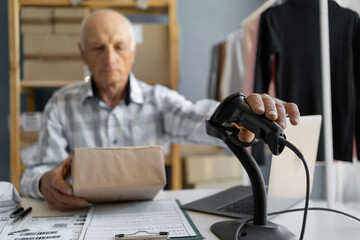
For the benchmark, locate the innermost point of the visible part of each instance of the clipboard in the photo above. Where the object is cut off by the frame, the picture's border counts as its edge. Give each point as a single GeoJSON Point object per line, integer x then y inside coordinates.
{"type": "Point", "coordinates": [198, 234]}
{"type": "Point", "coordinates": [144, 235]}
{"type": "Point", "coordinates": [132, 219]}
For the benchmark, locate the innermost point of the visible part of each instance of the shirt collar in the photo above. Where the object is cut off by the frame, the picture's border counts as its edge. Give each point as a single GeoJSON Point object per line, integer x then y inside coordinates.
{"type": "Point", "coordinates": [136, 95]}
{"type": "Point", "coordinates": [133, 90]}
{"type": "Point", "coordinates": [87, 91]}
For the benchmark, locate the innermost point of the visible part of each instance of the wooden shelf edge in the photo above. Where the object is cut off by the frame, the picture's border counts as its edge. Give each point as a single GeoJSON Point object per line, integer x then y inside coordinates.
{"type": "Point", "coordinates": [165, 83]}
{"type": "Point", "coordinates": [46, 83]}
{"type": "Point", "coordinates": [152, 3]}
{"type": "Point", "coordinates": [61, 83]}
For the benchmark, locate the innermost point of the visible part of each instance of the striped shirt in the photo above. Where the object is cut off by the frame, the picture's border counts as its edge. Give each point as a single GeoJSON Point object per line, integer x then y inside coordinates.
{"type": "Point", "coordinates": [149, 115]}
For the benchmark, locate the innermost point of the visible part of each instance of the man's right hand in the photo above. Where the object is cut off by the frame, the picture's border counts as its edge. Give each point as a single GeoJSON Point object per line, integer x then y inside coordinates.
{"type": "Point", "coordinates": [57, 192]}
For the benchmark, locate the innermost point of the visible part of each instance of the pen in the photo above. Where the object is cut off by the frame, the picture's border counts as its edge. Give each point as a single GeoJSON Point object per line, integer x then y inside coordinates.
{"type": "Point", "coordinates": [16, 212]}
{"type": "Point", "coordinates": [22, 214]}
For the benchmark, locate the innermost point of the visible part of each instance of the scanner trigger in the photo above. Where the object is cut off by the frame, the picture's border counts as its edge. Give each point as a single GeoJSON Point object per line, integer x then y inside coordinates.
{"type": "Point", "coordinates": [238, 127]}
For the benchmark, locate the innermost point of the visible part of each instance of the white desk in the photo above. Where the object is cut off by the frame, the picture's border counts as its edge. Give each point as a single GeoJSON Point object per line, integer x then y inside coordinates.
{"type": "Point", "coordinates": [320, 224]}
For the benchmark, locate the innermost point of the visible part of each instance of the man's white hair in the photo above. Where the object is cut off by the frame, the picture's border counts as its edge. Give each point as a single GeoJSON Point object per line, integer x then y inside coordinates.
{"type": "Point", "coordinates": [84, 21]}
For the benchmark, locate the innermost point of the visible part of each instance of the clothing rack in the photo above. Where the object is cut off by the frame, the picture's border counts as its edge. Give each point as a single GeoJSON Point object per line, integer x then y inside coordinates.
{"type": "Point", "coordinates": [326, 91]}
{"type": "Point", "coordinates": [258, 11]}
{"type": "Point", "coordinates": [326, 95]}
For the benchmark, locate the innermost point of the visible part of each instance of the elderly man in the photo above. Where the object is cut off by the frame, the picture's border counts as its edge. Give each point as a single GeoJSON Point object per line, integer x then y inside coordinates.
{"type": "Point", "coordinates": [113, 108]}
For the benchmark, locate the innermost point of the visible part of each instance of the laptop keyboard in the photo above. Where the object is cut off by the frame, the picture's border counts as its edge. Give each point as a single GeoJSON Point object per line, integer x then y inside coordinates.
{"type": "Point", "coordinates": [242, 206]}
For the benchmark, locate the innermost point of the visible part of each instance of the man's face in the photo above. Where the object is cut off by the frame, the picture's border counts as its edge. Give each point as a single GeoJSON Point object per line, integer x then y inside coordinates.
{"type": "Point", "coordinates": [107, 52]}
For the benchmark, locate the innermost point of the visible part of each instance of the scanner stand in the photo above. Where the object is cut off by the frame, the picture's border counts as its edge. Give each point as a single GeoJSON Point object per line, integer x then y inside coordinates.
{"type": "Point", "coordinates": [259, 228]}
{"type": "Point", "coordinates": [227, 230]}
{"type": "Point", "coordinates": [231, 116]}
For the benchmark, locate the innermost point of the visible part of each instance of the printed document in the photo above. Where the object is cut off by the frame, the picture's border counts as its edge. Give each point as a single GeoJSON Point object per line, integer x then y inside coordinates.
{"type": "Point", "coordinates": [49, 227]}
{"type": "Point", "coordinates": [4, 227]}
{"type": "Point", "coordinates": [104, 221]}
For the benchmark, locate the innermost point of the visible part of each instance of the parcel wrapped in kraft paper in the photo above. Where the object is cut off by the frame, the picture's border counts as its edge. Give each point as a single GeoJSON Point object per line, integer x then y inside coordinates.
{"type": "Point", "coordinates": [118, 174]}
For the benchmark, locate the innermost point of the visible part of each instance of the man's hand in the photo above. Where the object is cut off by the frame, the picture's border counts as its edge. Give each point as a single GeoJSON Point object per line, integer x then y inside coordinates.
{"type": "Point", "coordinates": [57, 192]}
{"type": "Point", "coordinates": [274, 109]}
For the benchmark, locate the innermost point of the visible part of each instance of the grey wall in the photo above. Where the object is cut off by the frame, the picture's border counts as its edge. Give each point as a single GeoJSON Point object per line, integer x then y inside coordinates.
{"type": "Point", "coordinates": [203, 23]}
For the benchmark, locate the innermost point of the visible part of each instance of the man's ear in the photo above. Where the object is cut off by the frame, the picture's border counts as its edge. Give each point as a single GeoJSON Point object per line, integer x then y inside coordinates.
{"type": "Point", "coordinates": [133, 54]}
{"type": "Point", "coordinates": [82, 52]}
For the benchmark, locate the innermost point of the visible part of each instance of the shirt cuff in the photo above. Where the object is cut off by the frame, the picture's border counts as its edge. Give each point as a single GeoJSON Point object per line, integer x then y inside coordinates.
{"type": "Point", "coordinates": [36, 187]}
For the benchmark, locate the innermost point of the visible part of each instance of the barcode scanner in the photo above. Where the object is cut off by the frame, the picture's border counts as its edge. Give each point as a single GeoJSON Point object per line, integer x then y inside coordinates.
{"type": "Point", "coordinates": [231, 116]}
{"type": "Point", "coordinates": [234, 114]}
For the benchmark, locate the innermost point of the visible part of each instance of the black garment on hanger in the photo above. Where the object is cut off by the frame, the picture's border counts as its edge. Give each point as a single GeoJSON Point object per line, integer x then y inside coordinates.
{"type": "Point", "coordinates": [215, 72]}
{"type": "Point", "coordinates": [291, 32]}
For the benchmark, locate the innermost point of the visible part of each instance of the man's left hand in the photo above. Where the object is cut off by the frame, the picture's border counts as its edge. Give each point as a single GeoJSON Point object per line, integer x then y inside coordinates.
{"type": "Point", "coordinates": [274, 109]}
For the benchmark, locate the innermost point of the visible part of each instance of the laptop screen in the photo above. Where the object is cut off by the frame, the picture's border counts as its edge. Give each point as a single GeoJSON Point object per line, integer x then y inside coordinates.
{"type": "Point", "coordinates": [287, 182]}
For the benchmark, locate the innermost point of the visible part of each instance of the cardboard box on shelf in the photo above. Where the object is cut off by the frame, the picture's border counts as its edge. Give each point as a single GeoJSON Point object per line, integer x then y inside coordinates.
{"type": "Point", "coordinates": [34, 28]}
{"type": "Point", "coordinates": [152, 55]}
{"type": "Point", "coordinates": [51, 44]}
{"type": "Point", "coordinates": [68, 20]}
{"type": "Point", "coordinates": [77, 13]}
{"type": "Point", "coordinates": [67, 28]}
{"type": "Point", "coordinates": [54, 70]}
{"type": "Point", "coordinates": [210, 167]}
{"type": "Point", "coordinates": [200, 149]}
{"type": "Point", "coordinates": [36, 20]}
{"type": "Point", "coordinates": [36, 13]}
{"type": "Point", "coordinates": [212, 170]}
{"type": "Point", "coordinates": [28, 138]}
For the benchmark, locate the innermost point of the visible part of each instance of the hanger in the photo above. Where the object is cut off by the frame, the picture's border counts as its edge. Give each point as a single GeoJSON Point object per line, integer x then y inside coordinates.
{"type": "Point", "coordinates": [258, 11]}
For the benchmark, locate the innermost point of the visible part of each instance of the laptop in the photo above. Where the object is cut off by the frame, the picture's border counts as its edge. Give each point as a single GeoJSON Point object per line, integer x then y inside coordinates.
{"type": "Point", "coordinates": [287, 180]}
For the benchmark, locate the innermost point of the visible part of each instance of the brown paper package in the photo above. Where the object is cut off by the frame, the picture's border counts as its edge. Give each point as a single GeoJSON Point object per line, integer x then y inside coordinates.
{"type": "Point", "coordinates": [118, 174]}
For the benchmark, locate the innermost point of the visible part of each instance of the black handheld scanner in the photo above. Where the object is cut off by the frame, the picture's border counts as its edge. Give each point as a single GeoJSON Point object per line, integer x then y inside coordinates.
{"type": "Point", "coordinates": [234, 114]}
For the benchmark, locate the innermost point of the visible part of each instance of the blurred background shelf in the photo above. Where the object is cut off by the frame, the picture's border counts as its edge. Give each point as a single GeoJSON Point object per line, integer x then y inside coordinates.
{"type": "Point", "coordinates": [24, 65]}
